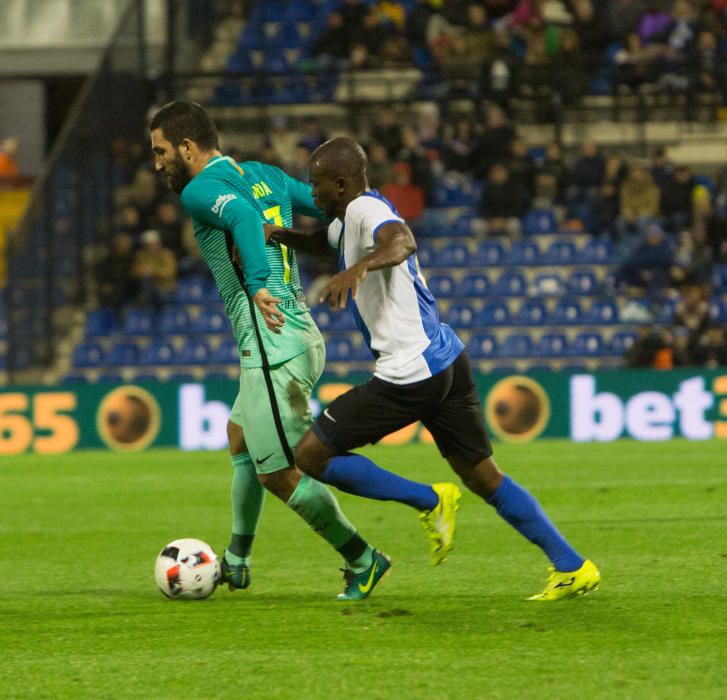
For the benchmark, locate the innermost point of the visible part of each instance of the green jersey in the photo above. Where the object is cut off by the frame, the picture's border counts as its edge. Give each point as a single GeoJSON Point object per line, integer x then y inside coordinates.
{"type": "Point", "coordinates": [228, 203]}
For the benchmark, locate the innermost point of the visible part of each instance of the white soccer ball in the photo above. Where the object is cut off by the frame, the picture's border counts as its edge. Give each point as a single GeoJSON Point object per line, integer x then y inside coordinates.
{"type": "Point", "coordinates": [187, 568]}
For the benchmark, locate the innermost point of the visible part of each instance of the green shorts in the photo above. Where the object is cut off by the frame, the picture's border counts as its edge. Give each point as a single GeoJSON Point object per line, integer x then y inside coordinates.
{"type": "Point", "coordinates": [273, 425]}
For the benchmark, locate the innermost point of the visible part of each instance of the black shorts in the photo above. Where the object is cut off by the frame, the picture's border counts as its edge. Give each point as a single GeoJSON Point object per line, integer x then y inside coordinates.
{"type": "Point", "coordinates": [447, 404]}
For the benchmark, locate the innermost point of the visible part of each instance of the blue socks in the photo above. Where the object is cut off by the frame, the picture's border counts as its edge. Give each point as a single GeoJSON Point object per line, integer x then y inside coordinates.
{"type": "Point", "coordinates": [356, 474]}
{"type": "Point", "coordinates": [519, 508]}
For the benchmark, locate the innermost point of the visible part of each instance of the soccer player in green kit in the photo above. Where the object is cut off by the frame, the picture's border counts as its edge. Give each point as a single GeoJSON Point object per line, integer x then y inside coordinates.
{"type": "Point", "coordinates": [281, 350]}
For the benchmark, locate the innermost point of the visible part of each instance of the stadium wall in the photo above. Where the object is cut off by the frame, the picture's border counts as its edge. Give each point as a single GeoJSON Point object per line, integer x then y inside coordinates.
{"type": "Point", "coordinates": [638, 404]}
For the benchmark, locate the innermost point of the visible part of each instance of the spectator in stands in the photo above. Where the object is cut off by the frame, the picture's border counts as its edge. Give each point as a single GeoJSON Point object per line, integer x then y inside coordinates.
{"type": "Point", "coordinates": [313, 134]}
{"type": "Point", "coordinates": [459, 146]}
{"type": "Point", "coordinates": [495, 144]}
{"type": "Point", "coordinates": [459, 67]}
{"type": "Point", "coordinates": [706, 71]}
{"type": "Point", "coordinates": [692, 261]}
{"type": "Point", "coordinates": [676, 200]}
{"type": "Point", "coordinates": [692, 314]}
{"type": "Point", "coordinates": [392, 13]}
{"type": "Point", "coordinates": [647, 267]}
{"type": "Point", "coordinates": [129, 221]}
{"type": "Point", "coordinates": [353, 12]}
{"type": "Point", "coordinates": [652, 348]}
{"type": "Point", "coordinates": [406, 197]}
{"type": "Point", "coordinates": [499, 72]}
{"type": "Point", "coordinates": [554, 166]}
{"type": "Point", "coordinates": [682, 30]}
{"type": "Point", "coordinates": [282, 140]}
{"type": "Point", "coordinates": [636, 63]}
{"type": "Point", "coordinates": [624, 16]}
{"type": "Point", "coordinates": [370, 32]}
{"type": "Point", "coordinates": [387, 131]}
{"type": "Point", "coordinates": [522, 167]}
{"type": "Point", "coordinates": [116, 285]}
{"type": "Point", "coordinates": [717, 224]}
{"type": "Point", "coordinates": [395, 52]}
{"type": "Point", "coordinates": [567, 69]}
{"type": "Point", "coordinates": [413, 153]}
{"type": "Point", "coordinates": [168, 223]}
{"type": "Point", "coordinates": [586, 175]}
{"type": "Point", "coordinates": [144, 194]}
{"type": "Point", "coordinates": [661, 168]}
{"type": "Point", "coordinates": [155, 270]}
{"type": "Point", "coordinates": [606, 207]}
{"type": "Point", "coordinates": [417, 23]}
{"type": "Point", "coordinates": [333, 45]}
{"type": "Point", "coordinates": [379, 169]}
{"type": "Point", "coordinates": [711, 349]}
{"type": "Point", "coordinates": [9, 169]}
{"type": "Point", "coordinates": [299, 167]}
{"type": "Point", "coordinates": [502, 203]}
{"type": "Point", "coordinates": [639, 202]}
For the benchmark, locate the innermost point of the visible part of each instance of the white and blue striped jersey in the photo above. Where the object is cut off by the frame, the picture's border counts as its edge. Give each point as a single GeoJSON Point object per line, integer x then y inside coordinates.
{"type": "Point", "coordinates": [393, 309]}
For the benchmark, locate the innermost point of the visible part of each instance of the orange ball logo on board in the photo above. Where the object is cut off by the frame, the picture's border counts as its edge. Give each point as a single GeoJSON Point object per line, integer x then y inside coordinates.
{"type": "Point", "coordinates": [128, 419]}
{"type": "Point", "coordinates": [517, 409]}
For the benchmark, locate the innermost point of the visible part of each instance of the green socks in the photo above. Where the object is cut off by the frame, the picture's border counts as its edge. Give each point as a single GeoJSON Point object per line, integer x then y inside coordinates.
{"type": "Point", "coordinates": [319, 508]}
{"type": "Point", "coordinates": [247, 502]}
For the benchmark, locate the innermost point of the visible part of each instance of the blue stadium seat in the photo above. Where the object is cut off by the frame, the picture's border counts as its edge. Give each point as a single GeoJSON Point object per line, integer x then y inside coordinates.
{"type": "Point", "coordinates": [551, 345]}
{"type": "Point", "coordinates": [158, 352]}
{"type": "Point", "coordinates": [173, 322]}
{"type": "Point", "coordinates": [588, 344]}
{"type": "Point", "coordinates": [539, 221]}
{"type": "Point", "coordinates": [343, 321]}
{"type": "Point", "coordinates": [454, 255]}
{"type": "Point", "coordinates": [524, 253]}
{"type": "Point", "coordinates": [193, 352]}
{"type": "Point", "coordinates": [473, 286]}
{"type": "Point", "coordinates": [3, 328]}
{"type": "Point", "coordinates": [339, 350]}
{"type": "Point", "coordinates": [582, 282]}
{"type": "Point", "coordinates": [567, 312]}
{"type": "Point", "coordinates": [123, 354]}
{"type": "Point", "coordinates": [531, 313]}
{"type": "Point", "coordinates": [719, 278]}
{"type": "Point", "coordinates": [110, 378]}
{"type": "Point", "coordinates": [442, 286]}
{"type": "Point", "coordinates": [718, 310]}
{"type": "Point", "coordinates": [210, 322]}
{"type": "Point", "coordinates": [460, 316]}
{"type": "Point", "coordinates": [489, 253]}
{"type": "Point", "coordinates": [494, 313]}
{"type": "Point", "coordinates": [560, 253]}
{"type": "Point", "coordinates": [602, 312]}
{"type": "Point", "coordinates": [621, 342]}
{"type": "Point", "coordinates": [361, 353]}
{"type": "Point", "coordinates": [139, 322]}
{"type": "Point", "coordinates": [517, 345]}
{"type": "Point", "coordinates": [74, 379]}
{"type": "Point", "coordinates": [427, 256]}
{"type": "Point", "coordinates": [482, 346]}
{"type": "Point", "coordinates": [88, 355]}
{"type": "Point", "coordinates": [101, 323]}
{"type": "Point", "coordinates": [323, 316]}
{"type": "Point", "coordinates": [226, 353]}
{"type": "Point", "coordinates": [182, 377]}
{"type": "Point", "coordinates": [510, 284]}
{"type": "Point", "coordinates": [666, 313]}
{"type": "Point", "coordinates": [463, 224]}
{"type": "Point", "coordinates": [548, 284]}
{"type": "Point", "coordinates": [597, 252]}
{"type": "Point", "coordinates": [191, 290]}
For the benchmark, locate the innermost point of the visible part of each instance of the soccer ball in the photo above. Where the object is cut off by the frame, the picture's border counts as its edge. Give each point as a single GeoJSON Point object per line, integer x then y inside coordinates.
{"type": "Point", "coordinates": [187, 568]}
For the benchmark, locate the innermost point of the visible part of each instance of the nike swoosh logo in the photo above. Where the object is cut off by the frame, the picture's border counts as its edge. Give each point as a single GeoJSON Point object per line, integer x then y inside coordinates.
{"type": "Point", "coordinates": [370, 582]}
{"type": "Point", "coordinates": [328, 415]}
{"type": "Point", "coordinates": [565, 584]}
{"type": "Point", "coordinates": [265, 459]}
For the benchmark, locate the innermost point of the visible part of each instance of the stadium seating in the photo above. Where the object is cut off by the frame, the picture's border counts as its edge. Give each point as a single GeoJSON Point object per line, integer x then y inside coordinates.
{"type": "Point", "coordinates": [158, 353]}
{"type": "Point", "coordinates": [482, 346]}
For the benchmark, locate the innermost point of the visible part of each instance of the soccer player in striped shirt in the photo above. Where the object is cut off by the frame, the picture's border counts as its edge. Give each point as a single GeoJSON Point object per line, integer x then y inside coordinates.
{"type": "Point", "coordinates": [281, 350]}
{"type": "Point", "coordinates": [422, 371]}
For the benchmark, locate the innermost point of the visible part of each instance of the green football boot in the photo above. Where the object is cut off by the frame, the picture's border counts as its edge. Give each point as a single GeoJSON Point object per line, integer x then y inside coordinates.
{"type": "Point", "coordinates": [359, 586]}
{"type": "Point", "coordinates": [236, 576]}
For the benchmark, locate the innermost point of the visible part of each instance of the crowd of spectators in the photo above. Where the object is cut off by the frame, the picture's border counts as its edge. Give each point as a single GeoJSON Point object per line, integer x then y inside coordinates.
{"type": "Point", "coordinates": [494, 49]}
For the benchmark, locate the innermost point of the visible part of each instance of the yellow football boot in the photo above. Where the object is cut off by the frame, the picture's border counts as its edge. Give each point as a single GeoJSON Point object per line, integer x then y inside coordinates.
{"type": "Point", "coordinates": [439, 522]}
{"type": "Point", "coordinates": [570, 584]}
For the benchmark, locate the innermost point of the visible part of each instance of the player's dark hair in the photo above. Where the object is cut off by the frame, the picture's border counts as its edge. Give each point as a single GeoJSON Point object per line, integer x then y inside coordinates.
{"type": "Point", "coordinates": [186, 120]}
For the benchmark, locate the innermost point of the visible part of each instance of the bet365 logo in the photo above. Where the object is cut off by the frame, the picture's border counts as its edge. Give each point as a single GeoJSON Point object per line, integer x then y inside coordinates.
{"type": "Point", "coordinates": [648, 415]}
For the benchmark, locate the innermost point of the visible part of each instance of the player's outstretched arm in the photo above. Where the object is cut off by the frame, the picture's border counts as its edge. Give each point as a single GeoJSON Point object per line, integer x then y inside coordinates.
{"type": "Point", "coordinates": [394, 244]}
{"type": "Point", "coordinates": [313, 242]}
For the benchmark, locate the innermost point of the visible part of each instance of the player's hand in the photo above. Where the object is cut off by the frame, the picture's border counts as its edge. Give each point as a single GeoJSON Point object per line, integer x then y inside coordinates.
{"type": "Point", "coordinates": [338, 287]}
{"type": "Point", "coordinates": [271, 231]}
{"type": "Point", "coordinates": [268, 307]}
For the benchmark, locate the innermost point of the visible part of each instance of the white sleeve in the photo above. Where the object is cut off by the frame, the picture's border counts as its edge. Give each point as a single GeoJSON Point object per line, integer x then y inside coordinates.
{"type": "Point", "coordinates": [370, 214]}
{"type": "Point", "coordinates": [334, 233]}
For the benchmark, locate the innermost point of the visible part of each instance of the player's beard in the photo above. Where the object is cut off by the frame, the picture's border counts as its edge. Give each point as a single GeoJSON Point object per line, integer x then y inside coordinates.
{"type": "Point", "coordinates": [176, 175]}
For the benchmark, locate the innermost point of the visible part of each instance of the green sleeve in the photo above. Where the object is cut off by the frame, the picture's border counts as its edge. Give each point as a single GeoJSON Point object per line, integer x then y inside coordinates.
{"type": "Point", "coordinates": [301, 196]}
{"type": "Point", "coordinates": [226, 211]}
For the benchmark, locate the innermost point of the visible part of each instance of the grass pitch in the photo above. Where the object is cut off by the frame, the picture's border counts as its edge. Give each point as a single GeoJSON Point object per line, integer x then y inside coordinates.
{"type": "Point", "coordinates": [80, 615]}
